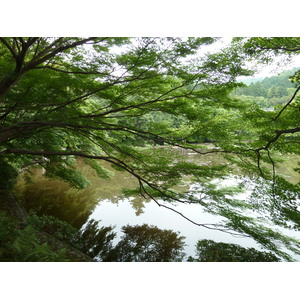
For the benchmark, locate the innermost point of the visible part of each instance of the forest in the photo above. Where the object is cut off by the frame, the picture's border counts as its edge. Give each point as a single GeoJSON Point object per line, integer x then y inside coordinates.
{"type": "Point", "coordinates": [270, 91]}
{"type": "Point", "coordinates": [76, 109]}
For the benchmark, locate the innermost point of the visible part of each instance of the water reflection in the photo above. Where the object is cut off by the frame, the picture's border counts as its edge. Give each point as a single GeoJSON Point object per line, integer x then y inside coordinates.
{"type": "Point", "coordinates": [210, 251]}
{"type": "Point", "coordinates": [103, 200]}
{"type": "Point", "coordinates": [144, 243]}
{"type": "Point", "coordinates": [57, 198]}
{"type": "Point", "coordinates": [121, 214]}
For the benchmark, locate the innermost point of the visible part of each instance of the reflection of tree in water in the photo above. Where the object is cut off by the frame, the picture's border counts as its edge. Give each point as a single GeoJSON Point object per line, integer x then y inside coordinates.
{"type": "Point", "coordinates": [210, 251]}
{"type": "Point", "coordinates": [94, 240]}
{"type": "Point", "coordinates": [137, 202]}
{"type": "Point", "coordinates": [139, 243]}
{"type": "Point", "coordinates": [144, 243]}
{"type": "Point", "coordinates": [57, 198]}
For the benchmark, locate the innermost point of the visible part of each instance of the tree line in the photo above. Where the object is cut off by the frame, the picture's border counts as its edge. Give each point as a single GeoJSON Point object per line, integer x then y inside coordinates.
{"type": "Point", "coordinates": [269, 91]}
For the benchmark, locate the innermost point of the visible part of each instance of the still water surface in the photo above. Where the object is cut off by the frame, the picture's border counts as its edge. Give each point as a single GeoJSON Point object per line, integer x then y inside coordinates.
{"type": "Point", "coordinates": [103, 200]}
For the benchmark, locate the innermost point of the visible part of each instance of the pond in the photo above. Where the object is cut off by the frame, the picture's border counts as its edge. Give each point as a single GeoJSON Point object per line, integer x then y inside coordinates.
{"type": "Point", "coordinates": [103, 200]}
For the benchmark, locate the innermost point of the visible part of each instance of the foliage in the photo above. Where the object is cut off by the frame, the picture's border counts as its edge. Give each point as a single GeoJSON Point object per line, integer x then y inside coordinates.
{"type": "Point", "coordinates": [28, 247]}
{"type": "Point", "coordinates": [8, 175]}
{"type": "Point", "coordinates": [211, 251]}
{"type": "Point", "coordinates": [144, 243]}
{"type": "Point", "coordinates": [53, 226]}
{"type": "Point", "coordinates": [105, 99]}
{"type": "Point", "coordinates": [93, 240]}
{"type": "Point", "coordinates": [24, 244]}
{"type": "Point", "coordinates": [270, 91]}
{"type": "Point", "coordinates": [7, 234]}
{"type": "Point", "coordinates": [140, 243]}
{"type": "Point", "coordinates": [99, 113]}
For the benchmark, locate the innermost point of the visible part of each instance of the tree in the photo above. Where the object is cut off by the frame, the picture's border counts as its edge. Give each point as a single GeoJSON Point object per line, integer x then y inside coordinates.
{"type": "Point", "coordinates": [65, 100]}
{"type": "Point", "coordinates": [272, 137]}
{"type": "Point", "coordinates": [146, 243]}
{"type": "Point", "coordinates": [47, 123]}
{"type": "Point", "coordinates": [210, 251]}
{"type": "Point", "coordinates": [69, 98]}
{"type": "Point", "coordinates": [275, 129]}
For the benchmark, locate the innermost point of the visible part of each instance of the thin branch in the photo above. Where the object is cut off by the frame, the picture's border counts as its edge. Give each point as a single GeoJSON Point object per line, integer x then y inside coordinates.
{"type": "Point", "coordinates": [277, 136]}
{"type": "Point", "coordinates": [294, 95]}
{"type": "Point", "coordinates": [133, 106]}
{"type": "Point", "coordinates": [273, 173]}
{"type": "Point", "coordinates": [48, 48]}
{"type": "Point", "coordinates": [51, 153]}
{"type": "Point", "coordinates": [207, 226]}
{"type": "Point", "coordinates": [267, 146]}
{"type": "Point", "coordinates": [84, 96]}
{"type": "Point", "coordinates": [7, 45]}
{"type": "Point", "coordinates": [258, 162]}
{"type": "Point", "coordinates": [71, 72]}
{"type": "Point", "coordinates": [36, 61]}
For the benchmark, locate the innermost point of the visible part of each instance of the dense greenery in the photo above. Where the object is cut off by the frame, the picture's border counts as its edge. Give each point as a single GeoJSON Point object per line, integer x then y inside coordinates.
{"type": "Point", "coordinates": [210, 251]}
{"type": "Point", "coordinates": [108, 99]}
{"type": "Point", "coordinates": [269, 91]}
{"type": "Point", "coordinates": [24, 244]}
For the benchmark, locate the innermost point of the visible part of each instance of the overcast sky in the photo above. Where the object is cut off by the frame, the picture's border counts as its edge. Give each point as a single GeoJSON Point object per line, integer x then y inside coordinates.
{"type": "Point", "coordinates": [265, 71]}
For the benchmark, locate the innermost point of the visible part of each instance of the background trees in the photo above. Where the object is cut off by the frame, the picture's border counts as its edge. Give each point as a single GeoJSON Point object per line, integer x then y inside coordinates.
{"type": "Point", "coordinates": [270, 91]}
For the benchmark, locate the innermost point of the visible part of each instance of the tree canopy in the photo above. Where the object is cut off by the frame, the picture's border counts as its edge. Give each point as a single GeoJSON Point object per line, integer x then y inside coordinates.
{"type": "Point", "coordinates": [110, 99]}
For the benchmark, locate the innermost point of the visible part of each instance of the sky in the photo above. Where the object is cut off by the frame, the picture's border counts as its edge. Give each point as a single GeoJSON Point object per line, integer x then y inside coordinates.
{"type": "Point", "coordinates": [264, 71]}
{"type": "Point", "coordinates": [274, 69]}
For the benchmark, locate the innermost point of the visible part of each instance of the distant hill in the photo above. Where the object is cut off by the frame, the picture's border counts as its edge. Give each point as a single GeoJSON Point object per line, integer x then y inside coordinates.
{"type": "Point", "coordinates": [284, 75]}
{"type": "Point", "coordinates": [269, 91]}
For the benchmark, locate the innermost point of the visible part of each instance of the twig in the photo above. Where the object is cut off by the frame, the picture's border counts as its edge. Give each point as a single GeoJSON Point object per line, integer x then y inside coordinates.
{"type": "Point", "coordinates": [294, 95]}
